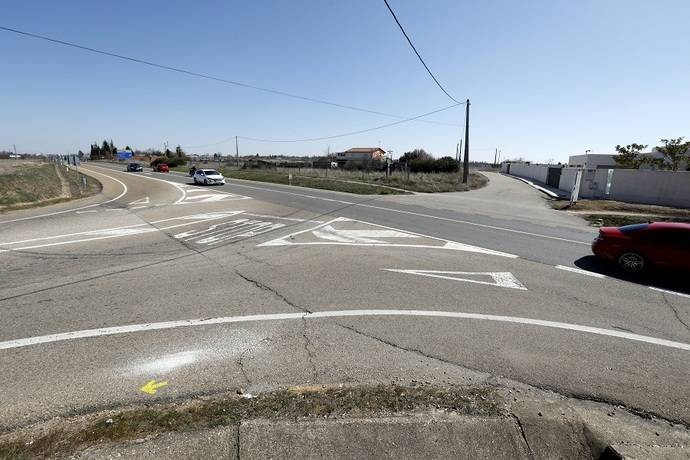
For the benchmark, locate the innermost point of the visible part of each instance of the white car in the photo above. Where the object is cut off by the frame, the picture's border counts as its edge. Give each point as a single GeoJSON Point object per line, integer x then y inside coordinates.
{"type": "Point", "coordinates": [208, 177]}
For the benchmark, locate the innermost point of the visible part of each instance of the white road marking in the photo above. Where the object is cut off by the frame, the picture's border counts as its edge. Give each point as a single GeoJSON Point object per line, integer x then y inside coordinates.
{"type": "Point", "coordinates": [205, 198]}
{"type": "Point", "coordinates": [124, 192]}
{"type": "Point", "coordinates": [327, 232]}
{"type": "Point", "coordinates": [500, 279]}
{"type": "Point", "coordinates": [293, 219]}
{"type": "Point", "coordinates": [581, 272]}
{"type": "Point", "coordinates": [138, 207]}
{"type": "Point", "coordinates": [88, 333]}
{"type": "Point", "coordinates": [228, 230]}
{"type": "Point", "coordinates": [669, 292]}
{"type": "Point", "coordinates": [84, 212]}
{"type": "Point", "coordinates": [401, 211]}
{"type": "Point", "coordinates": [140, 201]}
{"type": "Point", "coordinates": [348, 241]}
{"type": "Point", "coordinates": [115, 209]}
{"type": "Point", "coordinates": [118, 231]}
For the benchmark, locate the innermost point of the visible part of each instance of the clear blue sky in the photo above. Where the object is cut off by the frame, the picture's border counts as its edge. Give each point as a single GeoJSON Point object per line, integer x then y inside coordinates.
{"type": "Point", "coordinates": [547, 79]}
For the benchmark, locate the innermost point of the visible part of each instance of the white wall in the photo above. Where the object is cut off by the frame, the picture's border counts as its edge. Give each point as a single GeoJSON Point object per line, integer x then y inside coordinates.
{"type": "Point", "coordinates": [665, 188]}
{"type": "Point", "coordinates": [567, 179]}
{"type": "Point", "coordinates": [593, 183]}
{"type": "Point", "coordinates": [532, 172]}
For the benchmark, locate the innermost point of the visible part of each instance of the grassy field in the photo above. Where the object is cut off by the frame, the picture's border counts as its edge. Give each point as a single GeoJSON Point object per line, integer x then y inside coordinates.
{"type": "Point", "coordinates": [415, 182]}
{"type": "Point", "coordinates": [27, 184]}
{"type": "Point", "coordinates": [312, 182]}
{"type": "Point", "coordinates": [360, 182]}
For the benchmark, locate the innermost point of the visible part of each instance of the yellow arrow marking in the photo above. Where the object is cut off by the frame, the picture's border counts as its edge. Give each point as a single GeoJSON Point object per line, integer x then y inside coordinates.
{"type": "Point", "coordinates": [151, 386]}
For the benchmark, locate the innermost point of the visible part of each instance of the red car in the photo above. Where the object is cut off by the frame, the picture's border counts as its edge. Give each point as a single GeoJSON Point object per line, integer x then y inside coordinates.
{"type": "Point", "coordinates": [663, 245]}
{"type": "Point", "coordinates": [161, 167]}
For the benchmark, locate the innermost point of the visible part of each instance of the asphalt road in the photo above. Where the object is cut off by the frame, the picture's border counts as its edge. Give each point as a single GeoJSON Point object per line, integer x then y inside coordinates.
{"type": "Point", "coordinates": [257, 286]}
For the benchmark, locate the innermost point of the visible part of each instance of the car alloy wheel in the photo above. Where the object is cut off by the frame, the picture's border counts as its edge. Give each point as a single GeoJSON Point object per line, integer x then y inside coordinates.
{"type": "Point", "coordinates": [631, 262]}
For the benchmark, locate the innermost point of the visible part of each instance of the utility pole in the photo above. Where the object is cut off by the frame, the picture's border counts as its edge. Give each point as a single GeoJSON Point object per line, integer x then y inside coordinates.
{"type": "Point", "coordinates": [495, 157]}
{"type": "Point", "coordinates": [457, 152]}
{"type": "Point", "coordinates": [466, 160]}
{"type": "Point", "coordinates": [237, 153]}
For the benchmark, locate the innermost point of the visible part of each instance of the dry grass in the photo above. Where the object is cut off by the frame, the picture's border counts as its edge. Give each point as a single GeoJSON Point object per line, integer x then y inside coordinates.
{"type": "Point", "coordinates": [27, 184]}
{"type": "Point", "coordinates": [415, 182]}
{"type": "Point", "coordinates": [263, 175]}
{"type": "Point", "coordinates": [357, 401]}
{"type": "Point", "coordinates": [618, 206]}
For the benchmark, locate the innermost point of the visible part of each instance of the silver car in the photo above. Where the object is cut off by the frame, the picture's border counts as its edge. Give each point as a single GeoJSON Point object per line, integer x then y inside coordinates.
{"type": "Point", "coordinates": [208, 177]}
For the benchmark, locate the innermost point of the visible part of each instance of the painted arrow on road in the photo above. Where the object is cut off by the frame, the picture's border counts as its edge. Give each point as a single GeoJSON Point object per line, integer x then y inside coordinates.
{"type": "Point", "coordinates": [500, 279]}
{"type": "Point", "coordinates": [151, 386]}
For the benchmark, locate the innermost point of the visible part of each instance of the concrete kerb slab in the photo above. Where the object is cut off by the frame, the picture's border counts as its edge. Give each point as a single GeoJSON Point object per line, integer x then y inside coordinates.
{"type": "Point", "coordinates": [384, 438]}
{"type": "Point", "coordinates": [220, 443]}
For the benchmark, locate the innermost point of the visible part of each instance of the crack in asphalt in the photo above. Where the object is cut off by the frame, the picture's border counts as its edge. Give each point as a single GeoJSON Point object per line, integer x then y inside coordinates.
{"type": "Point", "coordinates": [400, 347]}
{"type": "Point", "coordinates": [559, 391]}
{"type": "Point", "coordinates": [675, 312]}
{"type": "Point", "coordinates": [249, 349]}
{"type": "Point", "coordinates": [307, 341]}
{"type": "Point", "coordinates": [267, 288]}
{"type": "Point", "coordinates": [310, 354]}
{"type": "Point", "coordinates": [524, 437]}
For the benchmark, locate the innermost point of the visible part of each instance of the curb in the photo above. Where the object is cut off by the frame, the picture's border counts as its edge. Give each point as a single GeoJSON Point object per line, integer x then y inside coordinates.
{"type": "Point", "coordinates": [537, 430]}
{"type": "Point", "coordinates": [533, 185]}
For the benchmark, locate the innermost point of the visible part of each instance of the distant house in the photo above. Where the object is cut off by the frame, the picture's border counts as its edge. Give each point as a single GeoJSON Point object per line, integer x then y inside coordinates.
{"type": "Point", "coordinates": [360, 154]}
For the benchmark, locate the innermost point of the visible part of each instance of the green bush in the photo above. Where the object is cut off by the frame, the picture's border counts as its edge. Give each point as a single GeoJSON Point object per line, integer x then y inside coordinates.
{"type": "Point", "coordinates": [445, 164]}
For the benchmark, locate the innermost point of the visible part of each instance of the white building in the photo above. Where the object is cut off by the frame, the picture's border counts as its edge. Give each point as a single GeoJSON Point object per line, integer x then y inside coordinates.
{"type": "Point", "coordinates": [592, 161]}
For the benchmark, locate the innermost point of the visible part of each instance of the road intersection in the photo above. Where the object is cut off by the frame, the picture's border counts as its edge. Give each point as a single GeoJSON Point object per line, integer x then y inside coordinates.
{"type": "Point", "coordinates": [258, 286]}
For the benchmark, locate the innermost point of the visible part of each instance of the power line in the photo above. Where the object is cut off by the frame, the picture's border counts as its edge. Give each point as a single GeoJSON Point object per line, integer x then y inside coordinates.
{"type": "Point", "coordinates": [351, 133]}
{"type": "Point", "coordinates": [417, 53]}
{"type": "Point", "coordinates": [211, 77]}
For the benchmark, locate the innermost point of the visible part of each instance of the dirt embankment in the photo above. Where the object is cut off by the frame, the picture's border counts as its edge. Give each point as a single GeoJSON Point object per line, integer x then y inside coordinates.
{"type": "Point", "coordinates": [26, 184]}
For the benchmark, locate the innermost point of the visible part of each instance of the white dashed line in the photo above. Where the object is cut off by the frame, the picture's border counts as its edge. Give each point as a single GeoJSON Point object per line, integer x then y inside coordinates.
{"type": "Point", "coordinates": [581, 272]}
{"type": "Point", "coordinates": [82, 334]}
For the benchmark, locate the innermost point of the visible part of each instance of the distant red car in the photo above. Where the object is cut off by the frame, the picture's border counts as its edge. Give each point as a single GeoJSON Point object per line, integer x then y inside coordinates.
{"type": "Point", "coordinates": [161, 167]}
{"type": "Point", "coordinates": [663, 245]}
